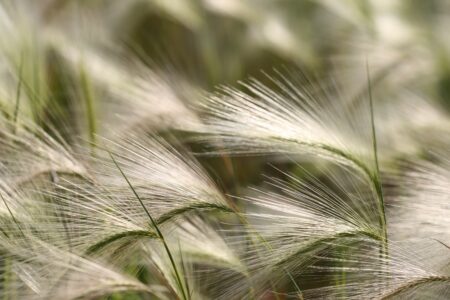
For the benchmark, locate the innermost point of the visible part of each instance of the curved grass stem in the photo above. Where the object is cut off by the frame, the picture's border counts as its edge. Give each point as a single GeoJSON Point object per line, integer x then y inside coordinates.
{"type": "Point", "coordinates": [113, 238]}
{"type": "Point", "coordinates": [149, 234]}
{"type": "Point", "coordinates": [158, 231]}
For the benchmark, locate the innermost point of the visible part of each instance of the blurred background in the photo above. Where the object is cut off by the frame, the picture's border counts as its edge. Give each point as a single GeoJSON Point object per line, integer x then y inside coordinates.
{"type": "Point", "coordinates": [82, 68]}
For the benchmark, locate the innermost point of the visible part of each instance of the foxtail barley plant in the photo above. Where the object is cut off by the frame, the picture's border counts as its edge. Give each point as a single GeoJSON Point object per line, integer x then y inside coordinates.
{"type": "Point", "coordinates": [218, 149]}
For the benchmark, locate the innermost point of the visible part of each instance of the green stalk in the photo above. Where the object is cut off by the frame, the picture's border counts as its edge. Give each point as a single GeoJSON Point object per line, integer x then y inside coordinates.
{"type": "Point", "coordinates": [184, 271]}
{"type": "Point", "coordinates": [88, 96]}
{"type": "Point", "coordinates": [299, 291]}
{"type": "Point", "coordinates": [376, 176]}
{"type": "Point", "coordinates": [36, 89]}
{"type": "Point", "coordinates": [19, 88]}
{"type": "Point", "coordinates": [155, 225]}
{"type": "Point", "coordinates": [378, 76]}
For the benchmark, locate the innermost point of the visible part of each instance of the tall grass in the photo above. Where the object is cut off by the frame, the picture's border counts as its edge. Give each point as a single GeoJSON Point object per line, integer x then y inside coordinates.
{"type": "Point", "coordinates": [144, 155]}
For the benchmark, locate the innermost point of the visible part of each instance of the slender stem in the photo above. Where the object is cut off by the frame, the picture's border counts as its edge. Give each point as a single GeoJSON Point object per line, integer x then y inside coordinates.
{"type": "Point", "coordinates": [155, 225]}
{"type": "Point", "coordinates": [299, 291]}
{"type": "Point", "coordinates": [19, 88]}
{"type": "Point", "coordinates": [184, 270]}
{"type": "Point", "coordinates": [377, 180]}
{"type": "Point", "coordinates": [442, 243]}
{"type": "Point", "coordinates": [89, 101]}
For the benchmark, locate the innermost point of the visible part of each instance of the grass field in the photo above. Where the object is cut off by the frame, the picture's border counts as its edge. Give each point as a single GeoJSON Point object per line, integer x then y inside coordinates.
{"type": "Point", "coordinates": [224, 149]}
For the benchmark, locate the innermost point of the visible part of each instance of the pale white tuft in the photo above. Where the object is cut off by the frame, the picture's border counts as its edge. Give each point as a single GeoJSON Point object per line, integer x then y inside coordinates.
{"type": "Point", "coordinates": [416, 270]}
{"type": "Point", "coordinates": [296, 117]}
{"type": "Point", "coordinates": [28, 152]}
{"type": "Point", "coordinates": [422, 202]}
